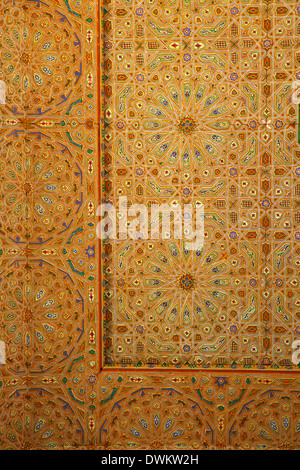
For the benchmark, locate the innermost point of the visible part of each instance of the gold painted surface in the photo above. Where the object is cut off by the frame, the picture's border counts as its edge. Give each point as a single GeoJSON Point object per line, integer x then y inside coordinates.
{"type": "Point", "coordinates": [157, 102]}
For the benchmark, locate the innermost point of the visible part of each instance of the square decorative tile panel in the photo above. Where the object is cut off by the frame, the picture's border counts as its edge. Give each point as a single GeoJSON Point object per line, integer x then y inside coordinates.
{"type": "Point", "coordinates": [198, 111]}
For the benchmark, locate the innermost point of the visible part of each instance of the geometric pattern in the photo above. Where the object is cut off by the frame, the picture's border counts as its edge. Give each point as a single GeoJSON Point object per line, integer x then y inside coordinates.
{"type": "Point", "coordinates": [199, 111]}
{"type": "Point", "coordinates": [137, 344]}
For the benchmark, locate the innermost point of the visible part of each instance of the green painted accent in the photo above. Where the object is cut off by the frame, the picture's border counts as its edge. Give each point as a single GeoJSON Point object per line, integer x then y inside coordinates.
{"type": "Point", "coordinates": [81, 273]}
{"type": "Point", "coordinates": [237, 399]}
{"type": "Point", "coordinates": [110, 396]}
{"type": "Point", "coordinates": [202, 398]}
{"type": "Point", "coordinates": [73, 396]}
{"type": "Point", "coordinates": [75, 360]}
{"type": "Point", "coordinates": [74, 233]}
{"type": "Point", "coordinates": [73, 104]}
{"type": "Point", "coordinates": [73, 141]}
{"type": "Point", "coordinates": [72, 11]}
